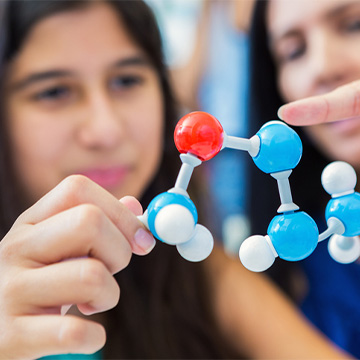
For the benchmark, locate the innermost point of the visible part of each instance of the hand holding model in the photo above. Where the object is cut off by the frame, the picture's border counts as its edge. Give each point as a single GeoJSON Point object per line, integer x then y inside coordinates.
{"type": "Point", "coordinates": [71, 242]}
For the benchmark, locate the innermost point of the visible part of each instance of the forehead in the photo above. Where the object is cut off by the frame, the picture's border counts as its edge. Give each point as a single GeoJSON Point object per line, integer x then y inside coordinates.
{"type": "Point", "coordinates": [67, 38]}
{"type": "Point", "coordinates": [285, 14]}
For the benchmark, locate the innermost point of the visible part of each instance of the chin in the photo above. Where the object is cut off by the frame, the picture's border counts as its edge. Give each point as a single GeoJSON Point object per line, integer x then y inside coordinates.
{"type": "Point", "coordinates": [352, 158]}
{"type": "Point", "coordinates": [355, 163]}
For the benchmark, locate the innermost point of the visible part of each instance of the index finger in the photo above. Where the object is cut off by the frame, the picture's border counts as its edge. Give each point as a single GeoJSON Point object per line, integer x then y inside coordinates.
{"type": "Point", "coordinates": [76, 190]}
{"type": "Point", "coordinates": [339, 104]}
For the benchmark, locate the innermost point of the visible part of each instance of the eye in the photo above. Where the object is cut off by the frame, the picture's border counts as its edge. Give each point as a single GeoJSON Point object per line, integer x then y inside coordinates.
{"type": "Point", "coordinates": [53, 93]}
{"type": "Point", "coordinates": [124, 82]}
{"type": "Point", "coordinates": [353, 25]}
{"type": "Point", "coordinates": [295, 53]}
{"type": "Point", "coordinates": [291, 52]}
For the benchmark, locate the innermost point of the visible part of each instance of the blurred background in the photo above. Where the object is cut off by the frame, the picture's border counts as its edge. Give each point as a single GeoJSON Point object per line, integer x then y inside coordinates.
{"type": "Point", "coordinates": [206, 48]}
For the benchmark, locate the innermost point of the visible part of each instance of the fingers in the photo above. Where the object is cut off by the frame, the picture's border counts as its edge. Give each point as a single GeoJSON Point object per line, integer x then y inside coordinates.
{"type": "Point", "coordinates": [36, 336]}
{"type": "Point", "coordinates": [64, 250]}
{"type": "Point", "coordinates": [76, 190]}
{"type": "Point", "coordinates": [84, 230]}
{"type": "Point", "coordinates": [342, 103]}
{"type": "Point", "coordinates": [85, 282]}
{"type": "Point", "coordinates": [132, 204]}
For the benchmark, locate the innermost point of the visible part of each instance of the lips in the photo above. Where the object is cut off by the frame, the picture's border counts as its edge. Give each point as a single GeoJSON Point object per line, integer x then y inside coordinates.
{"type": "Point", "coordinates": [107, 178]}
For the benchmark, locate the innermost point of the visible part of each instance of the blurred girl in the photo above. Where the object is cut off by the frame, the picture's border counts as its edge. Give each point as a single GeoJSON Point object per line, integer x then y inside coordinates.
{"type": "Point", "coordinates": [86, 102]}
{"type": "Point", "coordinates": [302, 49]}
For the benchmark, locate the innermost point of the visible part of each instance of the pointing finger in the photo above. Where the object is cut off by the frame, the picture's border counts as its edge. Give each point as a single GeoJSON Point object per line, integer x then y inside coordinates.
{"type": "Point", "coordinates": [339, 104]}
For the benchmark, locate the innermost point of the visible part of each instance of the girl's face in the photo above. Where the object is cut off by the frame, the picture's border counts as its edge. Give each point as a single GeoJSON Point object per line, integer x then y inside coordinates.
{"type": "Point", "coordinates": [316, 46]}
{"type": "Point", "coordinates": [83, 98]}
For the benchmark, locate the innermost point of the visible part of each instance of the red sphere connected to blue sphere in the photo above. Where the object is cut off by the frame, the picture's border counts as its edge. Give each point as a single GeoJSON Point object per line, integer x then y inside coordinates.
{"type": "Point", "coordinates": [199, 134]}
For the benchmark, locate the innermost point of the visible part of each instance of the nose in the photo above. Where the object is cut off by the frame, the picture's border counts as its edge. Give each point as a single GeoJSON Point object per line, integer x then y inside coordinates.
{"type": "Point", "coordinates": [327, 63]}
{"type": "Point", "coordinates": [102, 126]}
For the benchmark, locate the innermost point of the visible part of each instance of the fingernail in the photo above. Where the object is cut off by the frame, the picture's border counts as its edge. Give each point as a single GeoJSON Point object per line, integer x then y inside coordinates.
{"type": "Point", "coordinates": [280, 112]}
{"type": "Point", "coordinates": [144, 240]}
{"type": "Point", "coordinates": [64, 309]}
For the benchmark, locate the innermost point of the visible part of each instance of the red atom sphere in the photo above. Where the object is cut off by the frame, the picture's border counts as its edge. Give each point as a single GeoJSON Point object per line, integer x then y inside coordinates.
{"type": "Point", "coordinates": [199, 134]}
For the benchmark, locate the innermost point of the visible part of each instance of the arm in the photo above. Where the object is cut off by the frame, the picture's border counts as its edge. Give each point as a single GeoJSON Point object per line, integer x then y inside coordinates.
{"type": "Point", "coordinates": [259, 320]}
{"type": "Point", "coordinates": [341, 103]}
{"type": "Point", "coordinates": [95, 234]}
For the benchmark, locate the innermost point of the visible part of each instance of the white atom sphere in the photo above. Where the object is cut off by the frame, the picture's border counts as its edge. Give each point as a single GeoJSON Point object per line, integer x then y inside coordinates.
{"type": "Point", "coordinates": [338, 177]}
{"type": "Point", "coordinates": [174, 224]}
{"type": "Point", "coordinates": [344, 250]}
{"type": "Point", "coordinates": [199, 247]}
{"type": "Point", "coordinates": [255, 253]}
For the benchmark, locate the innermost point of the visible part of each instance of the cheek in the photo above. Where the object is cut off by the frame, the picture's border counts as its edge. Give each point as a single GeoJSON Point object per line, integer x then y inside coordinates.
{"type": "Point", "coordinates": [39, 139]}
{"type": "Point", "coordinates": [325, 141]}
{"type": "Point", "coordinates": [147, 132]}
{"type": "Point", "coordinates": [39, 145]}
{"type": "Point", "coordinates": [150, 130]}
{"type": "Point", "coordinates": [317, 133]}
{"type": "Point", "coordinates": [150, 137]}
{"type": "Point", "coordinates": [292, 83]}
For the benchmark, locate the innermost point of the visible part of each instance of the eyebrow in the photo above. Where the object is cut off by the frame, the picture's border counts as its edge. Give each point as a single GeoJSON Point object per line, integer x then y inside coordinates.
{"type": "Point", "coordinates": [342, 9]}
{"type": "Point", "coordinates": [38, 77]}
{"type": "Point", "coordinates": [333, 13]}
{"type": "Point", "coordinates": [58, 73]}
{"type": "Point", "coordinates": [131, 61]}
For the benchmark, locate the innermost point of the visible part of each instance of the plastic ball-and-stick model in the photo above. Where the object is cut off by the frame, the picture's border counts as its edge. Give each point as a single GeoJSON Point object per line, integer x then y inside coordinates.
{"type": "Point", "coordinates": [292, 235]}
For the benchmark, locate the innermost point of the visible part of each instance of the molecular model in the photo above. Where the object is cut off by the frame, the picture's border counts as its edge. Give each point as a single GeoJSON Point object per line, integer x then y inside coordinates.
{"type": "Point", "coordinates": [292, 235]}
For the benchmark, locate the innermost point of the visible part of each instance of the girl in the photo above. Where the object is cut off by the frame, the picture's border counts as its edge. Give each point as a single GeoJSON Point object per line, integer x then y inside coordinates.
{"type": "Point", "coordinates": [87, 114]}
{"type": "Point", "coordinates": [300, 49]}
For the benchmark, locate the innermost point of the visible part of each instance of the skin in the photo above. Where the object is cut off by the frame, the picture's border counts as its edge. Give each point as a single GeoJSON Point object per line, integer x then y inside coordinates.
{"type": "Point", "coordinates": [82, 223]}
{"type": "Point", "coordinates": [87, 117]}
{"type": "Point", "coordinates": [316, 46]}
{"type": "Point", "coordinates": [243, 314]}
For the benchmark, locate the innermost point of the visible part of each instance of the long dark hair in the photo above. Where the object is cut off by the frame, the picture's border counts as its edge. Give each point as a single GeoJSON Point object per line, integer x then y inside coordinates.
{"type": "Point", "coordinates": [265, 100]}
{"type": "Point", "coordinates": [165, 309]}
{"type": "Point", "coordinates": [17, 19]}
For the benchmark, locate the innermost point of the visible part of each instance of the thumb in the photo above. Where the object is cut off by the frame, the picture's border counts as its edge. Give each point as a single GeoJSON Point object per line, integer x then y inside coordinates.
{"type": "Point", "coordinates": [135, 207]}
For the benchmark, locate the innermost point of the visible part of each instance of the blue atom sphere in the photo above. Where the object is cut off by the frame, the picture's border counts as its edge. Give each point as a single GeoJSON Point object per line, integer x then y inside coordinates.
{"type": "Point", "coordinates": [280, 148]}
{"type": "Point", "coordinates": [347, 209]}
{"type": "Point", "coordinates": [164, 199]}
{"type": "Point", "coordinates": [293, 235]}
